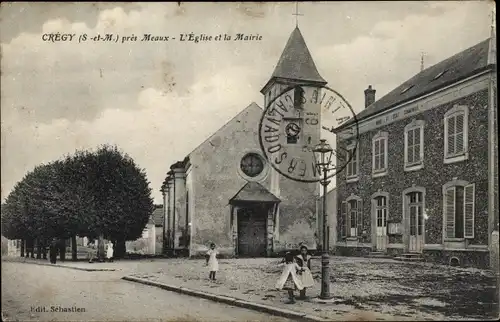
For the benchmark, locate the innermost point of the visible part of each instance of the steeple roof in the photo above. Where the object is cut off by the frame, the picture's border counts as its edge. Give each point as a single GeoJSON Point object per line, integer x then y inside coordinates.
{"type": "Point", "coordinates": [296, 62]}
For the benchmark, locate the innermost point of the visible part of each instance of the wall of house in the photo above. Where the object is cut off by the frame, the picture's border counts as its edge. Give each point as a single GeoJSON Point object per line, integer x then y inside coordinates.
{"type": "Point", "coordinates": [158, 239]}
{"type": "Point", "coordinates": [215, 178]}
{"type": "Point", "coordinates": [434, 174]}
{"type": "Point", "coordinates": [146, 244]}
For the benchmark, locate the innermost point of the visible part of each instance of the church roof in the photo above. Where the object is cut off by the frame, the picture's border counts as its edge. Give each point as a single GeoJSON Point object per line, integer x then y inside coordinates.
{"type": "Point", "coordinates": [296, 61]}
{"type": "Point", "coordinates": [254, 191]}
{"type": "Point", "coordinates": [455, 68]}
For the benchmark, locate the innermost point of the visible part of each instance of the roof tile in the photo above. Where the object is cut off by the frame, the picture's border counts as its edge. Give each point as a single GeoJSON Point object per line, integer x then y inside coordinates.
{"type": "Point", "coordinates": [296, 61]}
{"type": "Point", "coordinates": [444, 73]}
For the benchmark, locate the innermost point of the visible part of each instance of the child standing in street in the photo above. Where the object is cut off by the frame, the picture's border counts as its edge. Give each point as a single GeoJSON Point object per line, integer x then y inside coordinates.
{"type": "Point", "coordinates": [289, 280]}
{"type": "Point", "coordinates": [212, 263]}
{"type": "Point", "coordinates": [304, 261]}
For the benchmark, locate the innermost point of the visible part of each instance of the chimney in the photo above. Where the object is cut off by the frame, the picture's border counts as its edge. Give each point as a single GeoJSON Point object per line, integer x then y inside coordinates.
{"type": "Point", "coordinates": [369, 96]}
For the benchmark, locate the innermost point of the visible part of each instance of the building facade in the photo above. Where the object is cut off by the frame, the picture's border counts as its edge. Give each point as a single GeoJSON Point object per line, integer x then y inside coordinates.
{"type": "Point", "coordinates": [423, 178]}
{"type": "Point", "coordinates": [226, 192]}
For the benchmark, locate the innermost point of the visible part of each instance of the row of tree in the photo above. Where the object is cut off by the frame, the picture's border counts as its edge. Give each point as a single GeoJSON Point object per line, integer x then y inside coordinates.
{"type": "Point", "coordinates": [96, 194]}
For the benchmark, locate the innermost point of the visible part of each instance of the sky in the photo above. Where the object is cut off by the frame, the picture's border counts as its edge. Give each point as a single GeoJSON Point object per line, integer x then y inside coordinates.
{"type": "Point", "coordinates": [157, 101]}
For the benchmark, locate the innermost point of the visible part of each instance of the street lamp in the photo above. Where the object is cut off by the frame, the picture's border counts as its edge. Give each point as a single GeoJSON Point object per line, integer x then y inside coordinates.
{"type": "Point", "coordinates": [164, 189]}
{"type": "Point", "coordinates": [322, 154]}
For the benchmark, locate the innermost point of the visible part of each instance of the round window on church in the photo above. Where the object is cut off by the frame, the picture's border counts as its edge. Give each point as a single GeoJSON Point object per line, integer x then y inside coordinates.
{"type": "Point", "coordinates": [252, 165]}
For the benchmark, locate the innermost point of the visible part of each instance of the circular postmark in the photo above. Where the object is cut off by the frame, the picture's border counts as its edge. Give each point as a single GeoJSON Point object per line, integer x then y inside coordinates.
{"type": "Point", "coordinates": [294, 121]}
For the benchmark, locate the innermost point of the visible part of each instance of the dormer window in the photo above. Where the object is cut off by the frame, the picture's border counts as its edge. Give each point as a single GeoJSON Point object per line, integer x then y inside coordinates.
{"type": "Point", "coordinates": [440, 74]}
{"type": "Point", "coordinates": [406, 89]}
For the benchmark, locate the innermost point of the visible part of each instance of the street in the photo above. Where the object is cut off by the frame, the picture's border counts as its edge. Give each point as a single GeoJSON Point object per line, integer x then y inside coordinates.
{"type": "Point", "coordinates": [29, 289]}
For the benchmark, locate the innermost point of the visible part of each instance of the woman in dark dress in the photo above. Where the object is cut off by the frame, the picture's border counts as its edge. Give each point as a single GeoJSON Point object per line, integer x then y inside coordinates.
{"type": "Point", "coordinates": [53, 251]}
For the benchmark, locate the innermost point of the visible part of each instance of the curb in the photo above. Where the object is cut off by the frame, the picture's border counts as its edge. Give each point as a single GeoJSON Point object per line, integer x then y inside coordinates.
{"type": "Point", "coordinates": [230, 300]}
{"type": "Point", "coordinates": [65, 266]}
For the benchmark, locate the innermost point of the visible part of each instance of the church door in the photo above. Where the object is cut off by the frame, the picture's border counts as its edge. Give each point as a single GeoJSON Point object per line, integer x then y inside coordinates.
{"type": "Point", "coordinates": [252, 232]}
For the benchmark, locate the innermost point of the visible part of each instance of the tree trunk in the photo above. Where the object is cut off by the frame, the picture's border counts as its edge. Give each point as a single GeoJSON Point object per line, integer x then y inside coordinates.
{"type": "Point", "coordinates": [38, 249]}
{"type": "Point", "coordinates": [44, 249]}
{"type": "Point", "coordinates": [74, 248]}
{"type": "Point", "coordinates": [119, 249]}
{"type": "Point", "coordinates": [62, 249]}
{"type": "Point", "coordinates": [32, 247]}
{"type": "Point", "coordinates": [100, 248]}
{"type": "Point", "coordinates": [22, 247]}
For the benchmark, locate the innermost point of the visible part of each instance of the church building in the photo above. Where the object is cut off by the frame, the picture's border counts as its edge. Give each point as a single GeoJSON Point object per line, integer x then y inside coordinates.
{"type": "Point", "coordinates": [226, 192]}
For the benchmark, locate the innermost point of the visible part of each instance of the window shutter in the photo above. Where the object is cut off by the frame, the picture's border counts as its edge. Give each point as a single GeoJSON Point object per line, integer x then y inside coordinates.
{"type": "Point", "coordinates": [382, 153]}
{"type": "Point", "coordinates": [350, 170]}
{"type": "Point", "coordinates": [343, 214]}
{"type": "Point", "coordinates": [459, 130]}
{"type": "Point", "coordinates": [355, 163]}
{"type": "Point", "coordinates": [359, 217]}
{"type": "Point", "coordinates": [416, 145]}
{"type": "Point", "coordinates": [450, 135]}
{"type": "Point", "coordinates": [469, 211]}
{"type": "Point", "coordinates": [450, 212]}
{"type": "Point", "coordinates": [409, 146]}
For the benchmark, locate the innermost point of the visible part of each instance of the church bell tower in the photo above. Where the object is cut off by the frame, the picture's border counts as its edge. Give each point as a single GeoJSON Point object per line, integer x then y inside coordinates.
{"type": "Point", "coordinates": [297, 74]}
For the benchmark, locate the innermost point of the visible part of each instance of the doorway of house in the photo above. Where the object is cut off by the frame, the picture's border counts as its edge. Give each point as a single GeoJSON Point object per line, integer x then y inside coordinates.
{"type": "Point", "coordinates": [380, 214]}
{"type": "Point", "coordinates": [416, 216]}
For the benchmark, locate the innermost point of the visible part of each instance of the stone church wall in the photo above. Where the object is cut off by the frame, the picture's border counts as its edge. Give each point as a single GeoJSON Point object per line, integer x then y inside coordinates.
{"type": "Point", "coordinates": [214, 178]}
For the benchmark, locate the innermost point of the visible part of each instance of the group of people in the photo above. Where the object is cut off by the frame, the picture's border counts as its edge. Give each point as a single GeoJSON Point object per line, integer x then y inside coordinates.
{"type": "Point", "coordinates": [54, 248]}
{"type": "Point", "coordinates": [296, 273]}
{"type": "Point", "coordinates": [92, 253]}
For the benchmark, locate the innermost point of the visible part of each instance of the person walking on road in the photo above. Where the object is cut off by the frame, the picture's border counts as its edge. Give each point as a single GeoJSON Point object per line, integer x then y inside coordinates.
{"type": "Point", "coordinates": [53, 251]}
{"type": "Point", "coordinates": [212, 263]}
{"type": "Point", "coordinates": [91, 251]}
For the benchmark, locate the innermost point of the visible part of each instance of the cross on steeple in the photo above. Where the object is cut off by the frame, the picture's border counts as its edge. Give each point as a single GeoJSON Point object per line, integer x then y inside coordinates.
{"type": "Point", "coordinates": [296, 14]}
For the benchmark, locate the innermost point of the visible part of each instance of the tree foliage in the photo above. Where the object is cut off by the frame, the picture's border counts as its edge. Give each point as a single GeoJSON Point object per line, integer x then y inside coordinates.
{"type": "Point", "coordinates": [90, 193]}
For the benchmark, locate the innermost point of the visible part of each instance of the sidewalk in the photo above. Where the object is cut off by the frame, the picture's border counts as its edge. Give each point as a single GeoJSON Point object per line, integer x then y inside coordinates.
{"type": "Point", "coordinates": [82, 266]}
{"type": "Point", "coordinates": [367, 289]}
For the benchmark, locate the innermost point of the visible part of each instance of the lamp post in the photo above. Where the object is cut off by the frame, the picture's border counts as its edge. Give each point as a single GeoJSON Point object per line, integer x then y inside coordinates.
{"type": "Point", "coordinates": [323, 153]}
{"type": "Point", "coordinates": [163, 191]}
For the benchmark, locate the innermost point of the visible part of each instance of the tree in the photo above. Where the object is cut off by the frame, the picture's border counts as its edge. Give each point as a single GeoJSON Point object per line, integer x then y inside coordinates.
{"type": "Point", "coordinates": [100, 194]}
{"type": "Point", "coordinates": [121, 195]}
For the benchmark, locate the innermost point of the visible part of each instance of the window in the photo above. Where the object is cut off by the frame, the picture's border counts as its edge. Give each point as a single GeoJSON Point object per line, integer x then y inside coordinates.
{"type": "Point", "coordinates": [440, 74]}
{"type": "Point", "coordinates": [298, 95]}
{"type": "Point", "coordinates": [252, 165]}
{"type": "Point", "coordinates": [352, 167]}
{"type": "Point", "coordinates": [380, 153]}
{"type": "Point", "coordinates": [414, 145]}
{"type": "Point", "coordinates": [406, 89]}
{"type": "Point", "coordinates": [381, 211]}
{"type": "Point", "coordinates": [352, 216]}
{"type": "Point", "coordinates": [415, 210]}
{"type": "Point", "coordinates": [459, 209]}
{"type": "Point", "coordinates": [456, 134]}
